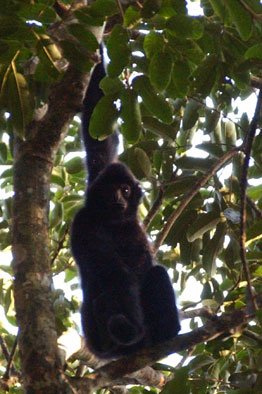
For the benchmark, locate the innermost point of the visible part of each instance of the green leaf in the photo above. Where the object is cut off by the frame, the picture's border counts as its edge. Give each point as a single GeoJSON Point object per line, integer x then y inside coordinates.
{"type": "Point", "coordinates": [74, 165]}
{"type": "Point", "coordinates": [48, 53]}
{"type": "Point", "coordinates": [184, 26]}
{"type": "Point", "coordinates": [185, 251]}
{"type": "Point", "coordinates": [179, 384]}
{"type": "Point", "coordinates": [130, 159]}
{"type": "Point", "coordinates": [255, 256]}
{"type": "Point", "coordinates": [40, 12]}
{"type": "Point", "coordinates": [205, 222]}
{"type": "Point", "coordinates": [200, 361]}
{"type": "Point", "coordinates": [75, 56]}
{"type": "Point", "coordinates": [85, 15]}
{"type": "Point", "coordinates": [241, 18]}
{"type": "Point", "coordinates": [219, 8]}
{"type": "Point", "coordinates": [84, 36]}
{"type": "Point", "coordinates": [3, 152]}
{"type": "Point", "coordinates": [211, 120]}
{"type": "Point", "coordinates": [56, 215]}
{"type": "Point", "coordinates": [7, 300]}
{"type": "Point", "coordinates": [191, 114]}
{"type": "Point", "coordinates": [213, 248]}
{"type": "Point", "coordinates": [160, 69]}
{"type": "Point", "coordinates": [103, 8]}
{"type": "Point", "coordinates": [71, 208]}
{"type": "Point", "coordinates": [254, 231]}
{"type": "Point", "coordinates": [111, 85]}
{"type": "Point", "coordinates": [131, 116]}
{"type": "Point", "coordinates": [254, 52]}
{"type": "Point", "coordinates": [213, 149]}
{"type": "Point", "coordinates": [131, 17]}
{"type": "Point", "coordinates": [143, 161]}
{"type": "Point", "coordinates": [165, 131]}
{"type": "Point", "coordinates": [216, 134]}
{"type": "Point", "coordinates": [7, 173]}
{"type": "Point", "coordinates": [104, 117]}
{"type": "Point", "coordinates": [167, 165]}
{"type": "Point", "coordinates": [232, 253]}
{"type": "Point", "coordinates": [206, 292]}
{"type": "Point", "coordinates": [8, 50]}
{"type": "Point", "coordinates": [57, 180]}
{"type": "Point", "coordinates": [178, 230]}
{"type": "Point", "coordinates": [180, 77]}
{"type": "Point", "coordinates": [153, 42]}
{"type": "Point", "coordinates": [70, 274]}
{"type": "Point", "coordinates": [20, 103]}
{"type": "Point", "coordinates": [205, 75]}
{"type": "Point", "coordinates": [181, 186]}
{"type": "Point", "coordinates": [254, 192]}
{"type": "Point", "coordinates": [118, 51]}
{"type": "Point", "coordinates": [229, 134]}
{"type": "Point", "coordinates": [154, 102]}
{"type": "Point", "coordinates": [150, 8]}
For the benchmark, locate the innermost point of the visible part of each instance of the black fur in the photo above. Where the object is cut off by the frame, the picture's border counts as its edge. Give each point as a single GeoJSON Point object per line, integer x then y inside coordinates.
{"type": "Point", "coordinates": [99, 153]}
{"type": "Point", "coordinates": [127, 302]}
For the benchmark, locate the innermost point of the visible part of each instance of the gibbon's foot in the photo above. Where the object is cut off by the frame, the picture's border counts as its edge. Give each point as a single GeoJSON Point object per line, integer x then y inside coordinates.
{"type": "Point", "coordinates": [123, 331]}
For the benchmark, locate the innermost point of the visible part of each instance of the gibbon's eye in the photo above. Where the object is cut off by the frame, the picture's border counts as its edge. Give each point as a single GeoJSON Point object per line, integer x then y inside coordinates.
{"type": "Point", "coordinates": [125, 190]}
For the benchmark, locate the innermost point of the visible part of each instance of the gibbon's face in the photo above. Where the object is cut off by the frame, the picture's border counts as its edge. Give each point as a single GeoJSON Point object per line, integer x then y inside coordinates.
{"type": "Point", "coordinates": [115, 193]}
{"type": "Point", "coordinates": [123, 197]}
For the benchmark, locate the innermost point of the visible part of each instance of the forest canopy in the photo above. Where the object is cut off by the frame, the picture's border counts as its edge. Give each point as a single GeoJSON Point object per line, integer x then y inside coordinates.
{"type": "Point", "coordinates": [185, 92]}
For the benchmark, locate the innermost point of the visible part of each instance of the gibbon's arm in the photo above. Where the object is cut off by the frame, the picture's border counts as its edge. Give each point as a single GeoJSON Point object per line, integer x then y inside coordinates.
{"type": "Point", "coordinates": [99, 153]}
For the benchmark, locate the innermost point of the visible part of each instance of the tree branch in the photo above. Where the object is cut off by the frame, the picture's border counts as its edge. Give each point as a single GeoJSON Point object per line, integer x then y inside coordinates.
{"type": "Point", "coordinates": [188, 197]}
{"type": "Point", "coordinates": [243, 188]}
{"type": "Point", "coordinates": [33, 162]}
{"type": "Point", "coordinates": [154, 209]}
{"type": "Point", "coordinates": [112, 373]}
{"type": "Point", "coordinates": [254, 206]}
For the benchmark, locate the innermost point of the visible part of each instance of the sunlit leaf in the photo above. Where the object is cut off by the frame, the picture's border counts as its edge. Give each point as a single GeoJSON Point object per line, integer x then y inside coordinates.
{"type": "Point", "coordinates": [153, 101]}
{"type": "Point", "coordinates": [204, 222]}
{"type": "Point", "coordinates": [104, 117]}
{"type": "Point", "coordinates": [241, 18]}
{"type": "Point", "coordinates": [131, 116]}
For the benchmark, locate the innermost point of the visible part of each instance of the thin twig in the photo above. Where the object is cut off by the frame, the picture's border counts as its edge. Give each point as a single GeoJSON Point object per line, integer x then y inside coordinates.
{"type": "Point", "coordinates": [254, 207]}
{"type": "Point", "coordinates": [121, 9]}
{"type": "Point", "coordinates": [200, 312]}
{"type": "Point", "coordinates": [60, 246]}
{"type": "Point", "coordinates": [253, 335]}
{"type": "Point", "coordinates": [188, 197]}
{"type": "Point", "coordinates": [185, 357]}
{"type": "Point", "coordinates": [253, 14]}
{"type": "Point", "coordinates": [256, 82]}
{"type": "Point", "coordinates": [4, 348]}
{"type": "Point", "coordinates": [154, 209]}
{"type": "Point", "coordinates": [10, 361]}
{"type": "Point", "coordinates": [243, 189]}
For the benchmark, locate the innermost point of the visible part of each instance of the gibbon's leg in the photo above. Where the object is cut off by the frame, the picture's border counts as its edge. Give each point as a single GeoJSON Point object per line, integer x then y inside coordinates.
{"type": "Point", "coordinates": [159, 305]}
{"type": "Point", "coordinates": [111, 312]}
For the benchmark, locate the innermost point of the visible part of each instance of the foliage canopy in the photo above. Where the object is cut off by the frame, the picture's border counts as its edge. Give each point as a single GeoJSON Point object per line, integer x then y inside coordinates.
{"type": "Point", "coordinates": [173, 80]}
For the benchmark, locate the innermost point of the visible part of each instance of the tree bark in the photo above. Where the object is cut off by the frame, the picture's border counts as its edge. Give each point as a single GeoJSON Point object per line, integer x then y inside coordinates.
{"type": "Point", "coordinates": [33, 163]}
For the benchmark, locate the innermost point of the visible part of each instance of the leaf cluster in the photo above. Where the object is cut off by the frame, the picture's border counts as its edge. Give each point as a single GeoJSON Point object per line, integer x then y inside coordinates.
{"type": "Point", "coordinates": [164, 67]}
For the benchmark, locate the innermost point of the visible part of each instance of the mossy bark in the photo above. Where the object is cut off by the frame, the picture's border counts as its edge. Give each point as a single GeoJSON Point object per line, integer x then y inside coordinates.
{"type": "Point", "coordinates": [33, 163]}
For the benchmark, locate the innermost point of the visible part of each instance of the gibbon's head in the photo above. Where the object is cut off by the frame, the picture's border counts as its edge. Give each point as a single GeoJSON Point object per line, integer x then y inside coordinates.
{"type": "Point", "coordinates": [115, 194]}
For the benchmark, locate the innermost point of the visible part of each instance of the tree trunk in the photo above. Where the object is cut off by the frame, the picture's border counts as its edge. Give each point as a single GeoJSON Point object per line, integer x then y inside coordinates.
{"type": "Point", "coordinates": [33, 163]}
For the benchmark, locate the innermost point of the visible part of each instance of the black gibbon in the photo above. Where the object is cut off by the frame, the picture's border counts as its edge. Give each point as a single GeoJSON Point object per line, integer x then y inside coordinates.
{"type": "Point", "coordinates": [128, 302]}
